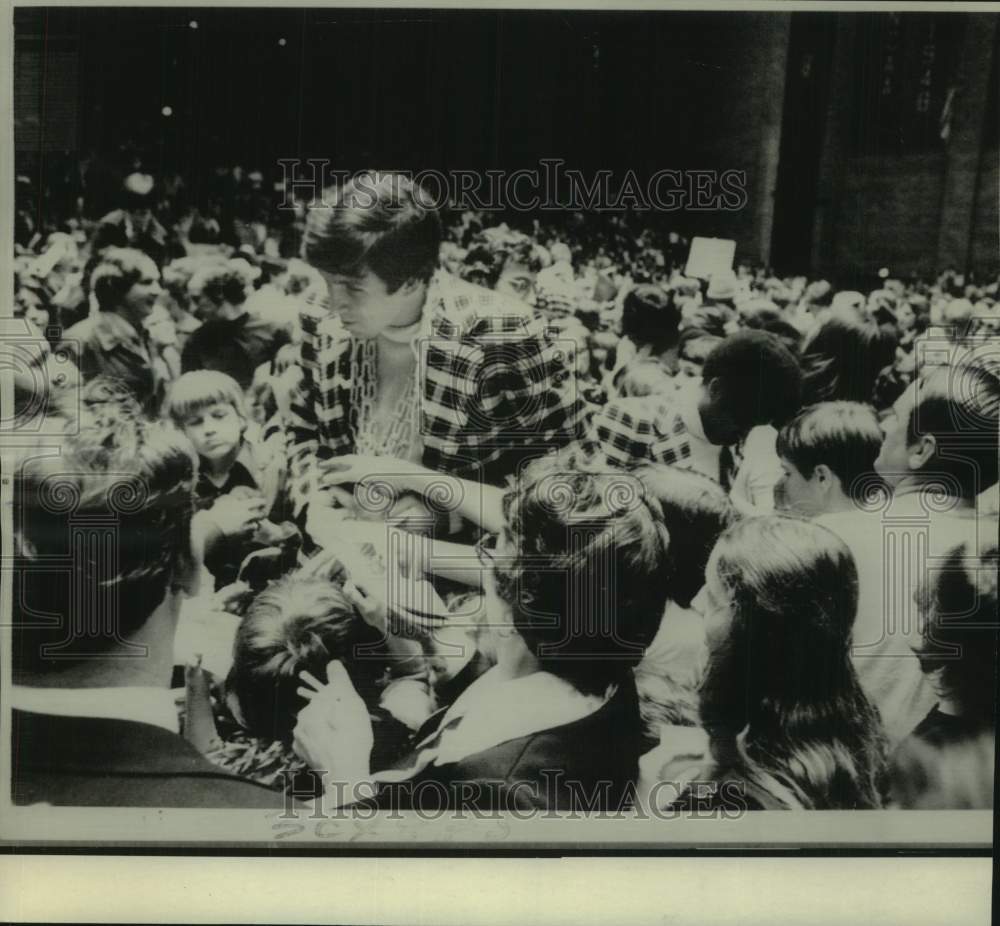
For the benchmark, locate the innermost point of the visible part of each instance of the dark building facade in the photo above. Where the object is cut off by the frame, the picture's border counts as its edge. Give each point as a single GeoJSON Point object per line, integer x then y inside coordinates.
{"type": "Point", "coordinates": [867, 140]}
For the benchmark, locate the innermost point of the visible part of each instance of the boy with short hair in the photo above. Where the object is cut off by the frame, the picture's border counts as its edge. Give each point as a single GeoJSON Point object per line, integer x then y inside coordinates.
{"type": "Point", "coordinates": [826, 452]}
{"type": "Point", "coordinates": [238, 487]}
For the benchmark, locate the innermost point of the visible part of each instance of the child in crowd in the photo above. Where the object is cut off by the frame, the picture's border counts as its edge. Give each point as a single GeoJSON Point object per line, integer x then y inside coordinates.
{"type": "Point", "coordinates": [696, 511]}
{"type": "Point", "coordinates": [827, 457]}
{"type": "Point", "coordinates": [239, 486]}
{"type": "Point", "coordinates": [786, 723]}
{"type": "Point", "coordinates": [298, 624]}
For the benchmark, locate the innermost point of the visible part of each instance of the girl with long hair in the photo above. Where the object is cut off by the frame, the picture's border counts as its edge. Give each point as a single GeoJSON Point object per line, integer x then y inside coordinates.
{"type": "Point", "coordinates": [842, 359]}
{"type": "Point", "coordinates": [787, 723]}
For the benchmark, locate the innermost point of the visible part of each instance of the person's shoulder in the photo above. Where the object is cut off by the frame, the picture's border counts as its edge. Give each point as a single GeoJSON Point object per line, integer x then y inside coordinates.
{"type": "Point", "coordinates": [115, 217]}
{"type": "Point", "coordinates": [82, 334]}
{"type": "Point", "coordinates": [853, 527]}
{"type": "Point", "coordinates": [86, 761]}
{"type": "Point", "coordinates": [652, 413]}
{"type": "Point", "coordinates": [461, 307]}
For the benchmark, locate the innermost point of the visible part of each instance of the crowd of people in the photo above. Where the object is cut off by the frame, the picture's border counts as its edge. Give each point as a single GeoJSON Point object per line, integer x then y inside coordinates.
{"type": "Point", "coordinates": [439, 509]}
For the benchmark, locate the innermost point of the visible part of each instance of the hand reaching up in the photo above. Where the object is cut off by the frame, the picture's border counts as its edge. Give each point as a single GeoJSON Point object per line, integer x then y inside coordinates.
{"type": "Point", "coordinates": [333, 733]}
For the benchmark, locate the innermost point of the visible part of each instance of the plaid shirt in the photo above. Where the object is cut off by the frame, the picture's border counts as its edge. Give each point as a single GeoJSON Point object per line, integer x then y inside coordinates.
{"type": "Point", "coordinates": [649, 429]}
{"type": "Point", "coordinates": [495, 387]}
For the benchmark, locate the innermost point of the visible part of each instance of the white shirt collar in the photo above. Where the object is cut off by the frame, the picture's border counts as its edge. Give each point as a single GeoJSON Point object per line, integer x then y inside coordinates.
{"type": "Point", "coordinates": [139, 704]}
{"type": "Point", "coordinates": [688, 407]}
{"type": "Point", "coordinates": [496, 709]}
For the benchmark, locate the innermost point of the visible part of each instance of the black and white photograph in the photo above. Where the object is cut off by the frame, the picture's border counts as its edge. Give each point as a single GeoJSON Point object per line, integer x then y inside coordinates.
{"type": "Point", "coordinates": [501, 428]}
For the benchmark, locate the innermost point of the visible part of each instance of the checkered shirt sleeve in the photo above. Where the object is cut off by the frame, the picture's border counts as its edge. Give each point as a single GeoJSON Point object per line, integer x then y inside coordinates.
{"type": "Point", "coordinates": [318, 416]}
{"type": "Point", "coordinates": [633, 431]}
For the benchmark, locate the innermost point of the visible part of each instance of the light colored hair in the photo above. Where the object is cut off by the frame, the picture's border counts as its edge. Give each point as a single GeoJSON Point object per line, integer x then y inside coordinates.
{"type": "Point", "coordinates": [195, 391]}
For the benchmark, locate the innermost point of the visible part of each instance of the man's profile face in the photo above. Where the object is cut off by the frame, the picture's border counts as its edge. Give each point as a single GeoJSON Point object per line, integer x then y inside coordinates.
{"type": "Point", "coordinates": [517, 280]}
{"type": "Point", "coordinates": [364, 305]}
{"type": "Point", "coordinates": [893, 461]}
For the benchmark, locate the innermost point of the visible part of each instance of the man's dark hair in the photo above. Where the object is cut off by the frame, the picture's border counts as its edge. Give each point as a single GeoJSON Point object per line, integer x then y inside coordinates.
{"type": "Point", "coordinates": [650, 316]}
{"type": "Point", "coordinates": [116, 271]}
{"type": "Point", "coordinates": [761, 381]}
{"type": "Point", "coordinates": [378, 222]}
{"type": "Point", "coordinates": [100, 531]}
{"type": "Point", "coordinates": [845, 436]}
{"type": "Point", "coordinates": [696, 511]}
{"type": "Point", "coordinates": [584, 581]}
{"type": "Point", "coordinates": [959, 406]}
{"type": "Point", "coordinates": [959, 639]}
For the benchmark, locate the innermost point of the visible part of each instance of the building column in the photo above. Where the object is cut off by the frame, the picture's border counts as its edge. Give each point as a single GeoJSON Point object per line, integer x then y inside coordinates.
{"type": "Point", "coordinates": [965, 142]}
{"type": "Point", "coordinates": [834, 151]}
{"type": "Point", "coordinates": [772, 61]}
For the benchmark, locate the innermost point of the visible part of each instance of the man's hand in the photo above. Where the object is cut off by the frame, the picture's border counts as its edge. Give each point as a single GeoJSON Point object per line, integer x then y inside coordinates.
{"type": "Point", "coordinates": [361, 469]}
{"type": "Point", "coordinates": [333, 733]}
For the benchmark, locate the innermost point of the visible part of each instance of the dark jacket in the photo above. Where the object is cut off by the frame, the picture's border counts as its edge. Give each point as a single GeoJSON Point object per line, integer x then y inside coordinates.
{"type": "Point", "coordinates": [96, 762]}
{"type": "Point", "coordinates": [113, 232]}
{"type": "Point", "coordinates": [589, 764]}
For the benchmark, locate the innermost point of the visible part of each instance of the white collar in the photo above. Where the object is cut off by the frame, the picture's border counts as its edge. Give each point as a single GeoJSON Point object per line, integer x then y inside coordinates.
{"type": "Point", "coordinates": [496, 709]}
{"type": "Point", "coordinates": [688, 408]}
{"type": "Point", "coordinates": [139, 704]}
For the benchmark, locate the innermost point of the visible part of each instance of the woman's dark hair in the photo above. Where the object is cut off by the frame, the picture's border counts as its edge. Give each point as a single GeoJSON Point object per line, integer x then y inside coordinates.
{"type": "Point", "coordinates": [585, 579]}
{"type": "Point", "coordinates": [959, 639]}
{"type": "Point", "coordinates": [843, 359]}
{"type": "Point", "coordinates": [117, 270]}
{"type": "Point", "coordinates": [780, 698]}
{"type": "Point", "coordinates": [696, 510]}
{"type": "Point", "coordinates": [379, 222]}
{"type": "Point", "coordinates": [220, 281]}
{"type": "Point", "coordinates": [298, 624]}
{"type": "Point", "coordinates": [650, 316]}
{"type": "Point", "coordinates": [786, 332]}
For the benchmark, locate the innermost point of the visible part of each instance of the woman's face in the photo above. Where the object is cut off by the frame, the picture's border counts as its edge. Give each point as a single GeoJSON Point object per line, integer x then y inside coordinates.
{"type": "Point", "coordinates": [712, 603]}
{"type": "Point", "coordinates": [35, 313]}
{"type": "Point", "coordinates": [905, 317]}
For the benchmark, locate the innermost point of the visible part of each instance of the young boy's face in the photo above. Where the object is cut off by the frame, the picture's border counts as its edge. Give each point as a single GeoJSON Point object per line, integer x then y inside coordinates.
{"type": "Point", "coordinates": [798, 495]}
{"type": "Point", "coordinates": [215, 431]}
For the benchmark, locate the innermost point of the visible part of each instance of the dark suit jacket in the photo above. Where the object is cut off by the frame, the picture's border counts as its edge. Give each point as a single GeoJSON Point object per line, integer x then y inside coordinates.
{"type": "Point", "coordinates": [93, 762]}
{"type": "Point", "coordinates": [112, 232]}
{"type": "Point", "coordinates": [589, 764]}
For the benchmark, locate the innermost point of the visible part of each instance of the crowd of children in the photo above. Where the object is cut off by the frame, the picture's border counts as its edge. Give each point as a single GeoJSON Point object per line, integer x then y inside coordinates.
{"type": "Point", "coordinates": [474, 505]}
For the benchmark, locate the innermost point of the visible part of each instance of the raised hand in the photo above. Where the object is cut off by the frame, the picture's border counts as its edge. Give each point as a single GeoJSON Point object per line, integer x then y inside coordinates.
{"type": "Point", "coordinates": [333, 733]}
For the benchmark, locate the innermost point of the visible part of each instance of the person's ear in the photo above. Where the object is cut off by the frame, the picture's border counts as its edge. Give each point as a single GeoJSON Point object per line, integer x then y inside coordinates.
{"type": "Point", "coordinates": [921, 451]}
{"type": "Point", "coordinates": [825, 478]}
